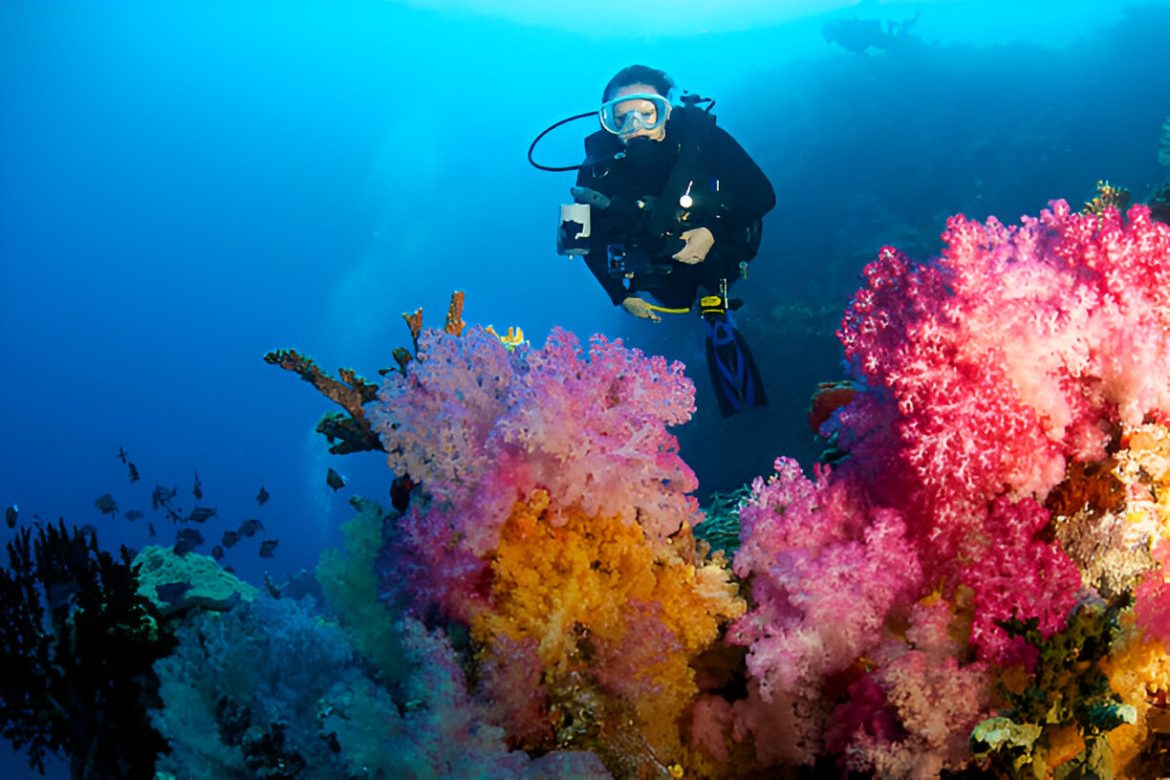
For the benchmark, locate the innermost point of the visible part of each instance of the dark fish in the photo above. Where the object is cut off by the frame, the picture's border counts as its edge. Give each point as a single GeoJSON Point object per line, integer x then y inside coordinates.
{"type": "Point", "coordinates": [150, 530]}
{"type": "Point", "coordinates": [251, 527]}
{"type": "Point", "coordinates": [132, 515]}
{"type": "Point", "coordinates": [10, 514]}
{"type": "Point", "coordinates": [230, 538]}
{"type": "Point", "coordinates": [334, 480]}
{"type": "Point", "coordinates": [217, 552]}
{"type": "Point", "coordinates": [272, 587]}
{"type": "Point", "coordinates": [171, 592]}
{"type": "Point", "coordinates": [200, 514]}
{"type": "Point", "coordinates": [133, 472]}
{"type": "Point", "coordinates": [268, 547]}
{"type": "Point", "coordinates": [122, 456]}
{"type": "Point", "coordinates": [262, 496]}
{"type": "Point", "coordinates": [197, 491]}
{"type": "Point", "coordinates": [87, 530]}
{"type": "Point", "coordinates": [187, 540]}
{"type": "Point", "coordinates": [162, 496]}
{"type": "Point", "coordinates": [106, 504]}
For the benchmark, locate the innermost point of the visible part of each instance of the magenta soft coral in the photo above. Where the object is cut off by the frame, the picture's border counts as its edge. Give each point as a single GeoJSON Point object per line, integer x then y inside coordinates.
{"type": "Point", "coordinates": [1152, 597]}
{"type": "Point", "coordinates": [1018, 576]}
{"type": "Point", "coordinates": [1011, 354]}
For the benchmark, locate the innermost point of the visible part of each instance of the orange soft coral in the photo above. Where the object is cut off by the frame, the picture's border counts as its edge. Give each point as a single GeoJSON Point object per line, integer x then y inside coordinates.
{"type": "Point", "coordinates": [1139, 672]}
{"type": "Point", "coordinates": [599, 599]}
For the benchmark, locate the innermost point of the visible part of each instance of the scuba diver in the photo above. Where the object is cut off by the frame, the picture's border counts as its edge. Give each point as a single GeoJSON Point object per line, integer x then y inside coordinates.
{"type": "Point", "coordinates": [861, 35]}
{"type": "Point", "coordinates": [666, 206]}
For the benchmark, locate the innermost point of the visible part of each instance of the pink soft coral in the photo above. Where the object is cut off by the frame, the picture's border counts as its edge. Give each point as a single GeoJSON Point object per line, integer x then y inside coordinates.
{"type": "Point", "coordinates": [933, 698]}
{"type": "Point", "coordinates": [824, 574]}
{"type": "Point", "coordinates": [481, 427]}
{"type": "Point", "coordinates": [594, 432]}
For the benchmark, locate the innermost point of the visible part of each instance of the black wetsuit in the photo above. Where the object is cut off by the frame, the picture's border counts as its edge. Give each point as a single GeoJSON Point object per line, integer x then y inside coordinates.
{"type": "Point", "coordinates": [728, 193]}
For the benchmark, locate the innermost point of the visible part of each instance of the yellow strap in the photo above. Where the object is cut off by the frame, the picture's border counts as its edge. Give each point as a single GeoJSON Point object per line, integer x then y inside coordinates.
{"type": "Point", "coordinates": [665, 310]}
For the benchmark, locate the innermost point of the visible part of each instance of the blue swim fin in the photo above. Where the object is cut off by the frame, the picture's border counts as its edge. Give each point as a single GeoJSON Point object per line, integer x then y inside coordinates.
{"type": "Point", "coordinates": [734, 373]}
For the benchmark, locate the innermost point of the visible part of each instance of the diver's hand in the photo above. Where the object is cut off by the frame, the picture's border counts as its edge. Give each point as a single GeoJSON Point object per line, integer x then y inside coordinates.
{"type": "Point", "coordinates": [640, 308]}
{"type": "Point", "coordinates": [699, 243]}
{"type": "Point", "coordinates": [591, 197]}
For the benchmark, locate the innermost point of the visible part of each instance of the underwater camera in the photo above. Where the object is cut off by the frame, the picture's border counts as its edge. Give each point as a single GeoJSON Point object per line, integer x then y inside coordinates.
{"type": "Point", "coordinates": [622, 261]}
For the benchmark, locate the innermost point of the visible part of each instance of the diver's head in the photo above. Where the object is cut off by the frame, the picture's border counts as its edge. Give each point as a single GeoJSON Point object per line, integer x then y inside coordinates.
{"type": "Point", "coordinates": [636, 103]}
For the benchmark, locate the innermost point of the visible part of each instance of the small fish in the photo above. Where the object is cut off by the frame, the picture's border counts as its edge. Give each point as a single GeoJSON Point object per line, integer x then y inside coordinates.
{"type": "Point", "coordinates": [133, 472]}
{"type": "Point", "coordinates": [87, 530]}
{"type": "Point", "coordinates": [187, 540]}
{"type": "Point", "coordinates": [272, 588]}
{"type": "Point", "coordinates": [162, 496]}
{"type": "Point", "coordinates": [106, 504]}
{"type": "Point", "coordinates": [251, 527]}
{"type": "Point", "coordinates": [262, 496]}
{"type": "Point", "coordinates": [11, 514]}
{"type": "Point", "coordinates": [334, 480]}
{"type": "Point", "coordinates": [230, 538]}
{"type": "Point", "coordinates": [200, 514]}
{"type": "Point", "coordinates": [171, 592]}
{"type": "Point", "coordinates": [132, 515]}
{"type": "Point", "coordinates": [150, 530]}
{"type": "Point", "coordinates": [217, 552]}
{"type": "Point", "coordinates": [268, 547]}
{"type": "Point", "coordinates": [122, 456]}
{"type": "Point", "coordinates": [197, 491]}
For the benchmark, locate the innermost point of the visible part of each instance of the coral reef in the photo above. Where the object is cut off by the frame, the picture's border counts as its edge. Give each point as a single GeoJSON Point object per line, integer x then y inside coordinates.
{"type": "Point", "coordinates": [977, 583]}
{"type": "Point", "coordinates": [176, 583]}
{"type": "Point", "coordinates": [77, 646]}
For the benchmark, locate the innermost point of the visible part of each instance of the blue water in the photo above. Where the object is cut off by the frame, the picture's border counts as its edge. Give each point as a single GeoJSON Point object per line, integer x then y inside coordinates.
{"type": "Point", "coordinates": [185, 186]}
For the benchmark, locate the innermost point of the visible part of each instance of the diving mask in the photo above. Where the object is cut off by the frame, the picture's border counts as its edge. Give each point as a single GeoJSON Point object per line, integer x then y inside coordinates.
{"type": "Point", "coordinates": [628, 114]}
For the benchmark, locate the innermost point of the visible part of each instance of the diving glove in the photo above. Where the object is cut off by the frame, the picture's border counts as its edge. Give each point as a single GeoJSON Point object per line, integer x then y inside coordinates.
{"type": "Point", "coordinates": [640, 308]}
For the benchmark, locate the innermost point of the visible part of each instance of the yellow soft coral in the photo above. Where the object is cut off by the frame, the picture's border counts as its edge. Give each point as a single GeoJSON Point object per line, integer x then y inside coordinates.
{"type": "Point", "coordinates": [597, 596]}
{"type": "Point", "coordinates": [1139, 672]}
